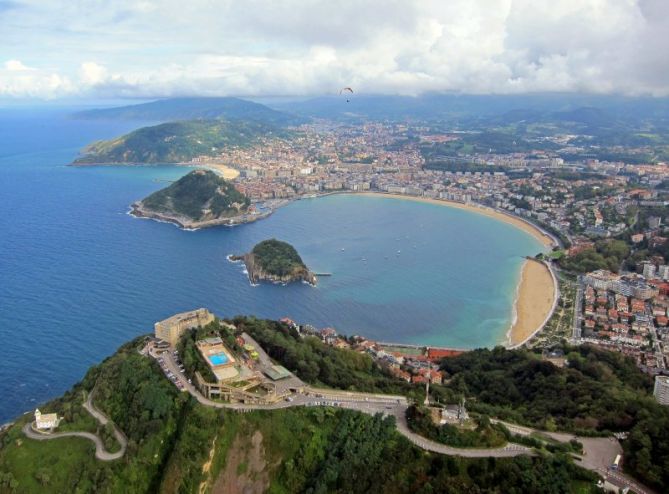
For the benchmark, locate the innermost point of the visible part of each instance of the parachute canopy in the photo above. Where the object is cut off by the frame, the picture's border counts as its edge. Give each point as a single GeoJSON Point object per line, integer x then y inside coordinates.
{"type": "Point", "coordinates": [346, 90]}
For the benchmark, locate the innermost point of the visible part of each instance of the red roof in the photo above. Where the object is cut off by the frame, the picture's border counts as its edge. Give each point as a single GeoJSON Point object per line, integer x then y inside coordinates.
{"type": "Point", "coordinates": [439, 353]}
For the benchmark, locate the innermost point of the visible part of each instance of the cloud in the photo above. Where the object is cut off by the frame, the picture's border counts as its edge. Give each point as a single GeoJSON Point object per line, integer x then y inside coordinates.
{"type": "Point", "coordinates": [16, 66]}
{"type": "Point", "coordinates": [310, 47]}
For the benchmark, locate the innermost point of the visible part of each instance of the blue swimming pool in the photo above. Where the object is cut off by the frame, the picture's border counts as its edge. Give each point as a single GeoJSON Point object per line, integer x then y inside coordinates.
{"type": "Point", "coordinates": [218, 358]}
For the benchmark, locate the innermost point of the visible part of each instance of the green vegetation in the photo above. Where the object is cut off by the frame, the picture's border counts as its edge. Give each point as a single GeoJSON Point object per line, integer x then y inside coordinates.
{"type": "Point", "coordinates": [132, 391]}
{"type": "Point", "coordinates": [484, 435]}
{"type": "Point", "coordinates": [197, 192]}
{"type": "Point", "coordinates": [320, 364]}
{"type": "Point", "coordinates": [599, 391]}
{"type": "Point", "coordinates": [277, 258]}
{"type": "Point", "coordinates": [607, 254]}
{"type": "Point", "coordinates": [175, 142]}
{"type": "Point", "coordinates": [178, 446]}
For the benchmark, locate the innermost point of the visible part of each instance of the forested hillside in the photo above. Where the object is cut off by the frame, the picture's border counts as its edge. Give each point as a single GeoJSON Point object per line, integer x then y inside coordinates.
{"type": "Point", "coordinates": [177, 142]}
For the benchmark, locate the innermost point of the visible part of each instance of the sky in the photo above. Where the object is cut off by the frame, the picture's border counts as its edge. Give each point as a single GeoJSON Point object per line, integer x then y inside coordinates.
{"type": "Point", "coordinates": [51, 49]}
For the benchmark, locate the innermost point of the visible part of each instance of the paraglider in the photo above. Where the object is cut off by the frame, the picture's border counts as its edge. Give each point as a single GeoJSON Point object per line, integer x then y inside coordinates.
{"type": "Point", "coordinates": [346, 90]}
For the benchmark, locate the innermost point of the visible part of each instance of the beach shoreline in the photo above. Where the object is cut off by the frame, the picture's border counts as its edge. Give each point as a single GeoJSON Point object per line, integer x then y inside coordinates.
{"type": "Point", "coordinates": [536, 298]}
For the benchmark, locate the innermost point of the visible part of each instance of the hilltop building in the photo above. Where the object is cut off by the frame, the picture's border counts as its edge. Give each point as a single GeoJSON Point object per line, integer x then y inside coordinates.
{"type": "Point", "coordinates": [172, 328]}
{"type": "Point", "coordinates": [46, 421]}
{"type": "Point", "coordinates": [218, 357]}
{"type": "Point", "coordinates": [661, 391]}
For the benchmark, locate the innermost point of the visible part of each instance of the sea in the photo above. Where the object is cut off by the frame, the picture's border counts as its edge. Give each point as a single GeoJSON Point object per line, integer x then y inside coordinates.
{"type": "Point", "coordinates": [79, 276]}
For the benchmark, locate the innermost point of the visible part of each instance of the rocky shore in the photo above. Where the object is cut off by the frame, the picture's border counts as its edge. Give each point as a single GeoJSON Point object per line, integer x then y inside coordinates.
{"type": "Point", "coordinates": [138, 210]}
{"type": "Point", "coordinates": [257, 274]}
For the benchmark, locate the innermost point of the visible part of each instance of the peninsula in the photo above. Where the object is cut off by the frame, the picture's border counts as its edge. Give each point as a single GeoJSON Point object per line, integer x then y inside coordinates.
{"type": "Point", "coordinates": [199, 199]}
{"type": "Point", "coordinates": [176, 142]}
{"type": "Point", "coordinates": [275, 261]}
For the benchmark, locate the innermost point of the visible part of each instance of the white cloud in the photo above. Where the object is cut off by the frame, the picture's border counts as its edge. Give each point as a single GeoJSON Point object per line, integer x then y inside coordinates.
{"type": "Point", "coordinates": [16, 66]}
{"type": "Point", "coordinates": [258, 47]}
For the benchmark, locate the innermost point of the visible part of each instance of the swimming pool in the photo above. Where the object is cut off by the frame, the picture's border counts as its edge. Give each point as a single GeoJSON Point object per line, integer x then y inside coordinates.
{"type": "Point", "coordinates": [218, 358]}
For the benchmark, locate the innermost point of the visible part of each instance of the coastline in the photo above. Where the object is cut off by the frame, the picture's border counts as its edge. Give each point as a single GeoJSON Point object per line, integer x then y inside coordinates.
{"type": "Point", "coordinates": [536, 297]}
{"type": "Point", "coordinates": [546, 240]}
{"type": "Point", "coordinates": [225, 171]}
{"type": "Point", "coordinates": [137, 210]}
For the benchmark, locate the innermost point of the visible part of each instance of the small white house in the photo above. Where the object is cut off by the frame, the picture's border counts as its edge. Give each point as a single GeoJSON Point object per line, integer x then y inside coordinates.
{"type": "Point", "coordinates": [46, 420]}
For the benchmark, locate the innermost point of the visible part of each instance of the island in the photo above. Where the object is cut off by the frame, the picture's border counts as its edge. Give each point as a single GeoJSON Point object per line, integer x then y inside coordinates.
{"type": "Point", "coordinates": [199, 199]}
{"type": "Point", "coordinates": [275, 261]}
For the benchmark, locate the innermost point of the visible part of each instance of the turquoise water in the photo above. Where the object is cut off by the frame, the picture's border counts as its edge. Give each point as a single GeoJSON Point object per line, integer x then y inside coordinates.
{"type": "Point", "coordinates": [79, 276]}
{"type": "Point", "coordinates": [218, 359]}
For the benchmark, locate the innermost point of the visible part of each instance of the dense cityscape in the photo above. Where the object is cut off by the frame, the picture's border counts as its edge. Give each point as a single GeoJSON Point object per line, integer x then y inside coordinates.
{"type": "Point", "coordinates": [607, 215]}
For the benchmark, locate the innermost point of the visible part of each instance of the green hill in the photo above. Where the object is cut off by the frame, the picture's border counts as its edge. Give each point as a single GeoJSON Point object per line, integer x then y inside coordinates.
{"type": "Point", "coordinates": [275, 261]}
{"type": "Point", "coordinates": [176, 445]}
{"type": "Point", "coordinates": [277, 258]}
{"type": "Point", "coordinates": [194, 108]}
{"type": "Point", "coordinates": [200, 195]}
{"type": "Point", "coordinates": [176, 142]}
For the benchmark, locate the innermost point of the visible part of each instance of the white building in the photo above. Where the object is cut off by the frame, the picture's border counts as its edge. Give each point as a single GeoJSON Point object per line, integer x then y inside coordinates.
{"type": "Point", "coordinates": [46, 420]}
{"type": "Point", "coordinates": [661, 391]}
{"type": "Point", "coordinates": [663, 272]}
{"type": "Point", "coordinates": [649, 270]}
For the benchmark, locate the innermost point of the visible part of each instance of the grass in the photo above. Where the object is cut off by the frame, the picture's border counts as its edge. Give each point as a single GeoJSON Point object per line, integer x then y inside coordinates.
{"type": "Point", "coordinates": [63, 457]}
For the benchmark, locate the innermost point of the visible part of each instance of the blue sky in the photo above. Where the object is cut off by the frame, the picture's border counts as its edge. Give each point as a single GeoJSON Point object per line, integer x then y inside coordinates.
{"type": "Point", "coordinates": [145, 49]}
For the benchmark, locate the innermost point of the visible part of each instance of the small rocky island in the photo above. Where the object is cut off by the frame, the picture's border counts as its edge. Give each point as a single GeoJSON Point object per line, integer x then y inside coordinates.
{"type": "Point", "coordinates": [275, 261]}
{"type": "Point", "coordinates": [199, 199]}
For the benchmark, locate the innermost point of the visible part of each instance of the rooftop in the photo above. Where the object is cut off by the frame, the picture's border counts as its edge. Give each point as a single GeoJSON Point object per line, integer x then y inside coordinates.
{"type": "Point", "coordinates": [277, 372]}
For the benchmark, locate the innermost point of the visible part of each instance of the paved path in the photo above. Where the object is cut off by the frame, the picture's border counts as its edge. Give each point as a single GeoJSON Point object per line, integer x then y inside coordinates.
{"type": "Point", "coordinates": [598, 456]}
{"type": "Point", "coordinates": [101, 452]}
{"type": "Point", "coordinates": [362, 402]}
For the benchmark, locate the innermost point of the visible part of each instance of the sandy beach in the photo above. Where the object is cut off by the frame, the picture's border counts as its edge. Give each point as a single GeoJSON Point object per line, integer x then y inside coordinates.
{"type": "Point", "coordinates": [534, 302]}
{"type": "Point", "coordinates": [527, 227]}
{"type": "Point", "coordinates": [225, 171]}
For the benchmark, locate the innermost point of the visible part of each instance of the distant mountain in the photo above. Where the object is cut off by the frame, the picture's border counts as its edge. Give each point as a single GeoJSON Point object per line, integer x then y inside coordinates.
{"type": "Point", "coordinates": [471, 109]}
{"type": "Point", "coordinates": [194, 108]}
{"type": "Point", "coordinates": [177, 141]}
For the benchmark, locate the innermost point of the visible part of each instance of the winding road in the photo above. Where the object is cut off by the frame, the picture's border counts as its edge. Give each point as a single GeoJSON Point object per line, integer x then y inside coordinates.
{"type": "Point", "coordinates": [101, 452]}
{"type": "Point", "coordinates": [598, 453]}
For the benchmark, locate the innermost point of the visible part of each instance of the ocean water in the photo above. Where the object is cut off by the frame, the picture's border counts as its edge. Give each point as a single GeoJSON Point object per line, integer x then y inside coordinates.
{"type": "Point", "coordinates": [79, 276]}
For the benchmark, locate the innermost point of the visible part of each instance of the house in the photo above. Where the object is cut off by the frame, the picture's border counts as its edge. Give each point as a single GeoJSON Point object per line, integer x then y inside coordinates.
{"type": "Point", "coordinates": [46, 421]}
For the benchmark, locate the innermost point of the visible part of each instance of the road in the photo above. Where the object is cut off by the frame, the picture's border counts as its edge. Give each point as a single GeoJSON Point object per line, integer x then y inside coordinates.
{"type": "Point", "coordinates": [578, 301]}
{"type": "Point", "coordinates": [362, 402]}
{"type": "Point", "coordinates": [101, 452]}
{"type": "Point", "coordinates": [599, 453]}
